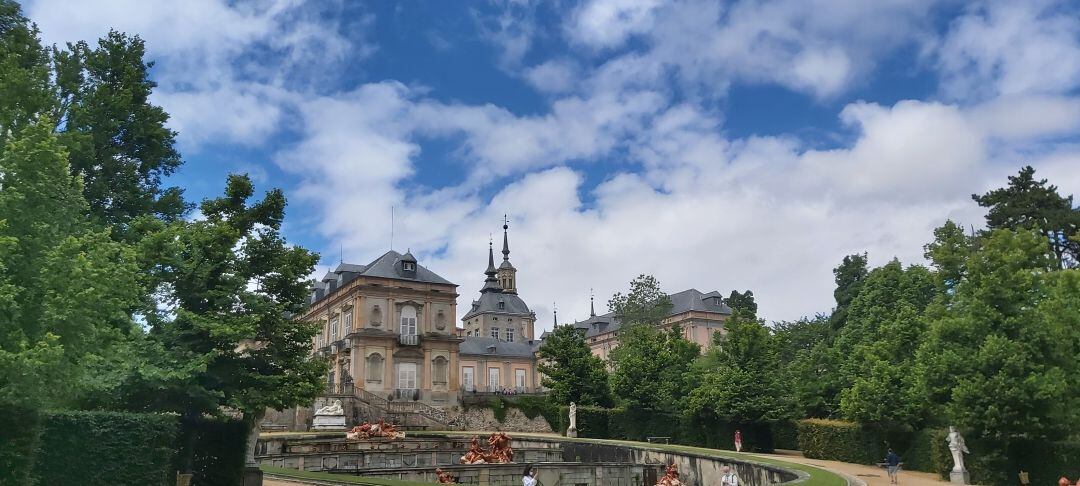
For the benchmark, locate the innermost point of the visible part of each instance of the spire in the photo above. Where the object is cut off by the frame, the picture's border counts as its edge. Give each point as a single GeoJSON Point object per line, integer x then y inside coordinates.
{"type": "Point", "coordinates": [506, 242]}
{"type": "Point", "coordinates": [592, 307]}
{"type": "Point", "coordinates": [491, 283]}
{"type": "Point", "coordinates": [555, 312]}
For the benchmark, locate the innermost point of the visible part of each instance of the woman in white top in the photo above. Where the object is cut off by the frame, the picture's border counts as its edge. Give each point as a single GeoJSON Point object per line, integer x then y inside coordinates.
{"type": "Point", "coordinates": [528, 478]}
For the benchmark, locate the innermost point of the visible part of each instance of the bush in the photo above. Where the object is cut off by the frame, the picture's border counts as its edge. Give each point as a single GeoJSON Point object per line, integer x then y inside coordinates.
{"type": "Point", "coordinates": [929, 452]}
{"type": "Point", "coordinates": [592, 422]}
{"type": "Point", "coordinates": [106, 448]}
{"type": "Point", "coordinates": [785, 435]}
{"type": "Point", "coordinates": [18, 441]}
{"type": "Point", "coordinates": [220, 445]}
{"type": "Point", "coordinates": [841, 441]}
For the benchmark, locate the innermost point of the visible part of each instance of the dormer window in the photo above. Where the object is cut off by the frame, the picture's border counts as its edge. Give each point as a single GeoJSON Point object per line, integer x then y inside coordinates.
{"type": "Point", "coordinates": [408, 266]}
{"type": "Point", "coordinates": [502, 305]}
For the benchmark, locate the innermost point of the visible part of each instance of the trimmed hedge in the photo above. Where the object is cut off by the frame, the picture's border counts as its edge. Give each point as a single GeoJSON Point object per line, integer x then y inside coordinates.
{"type": "Point", "coordinates": [929, 452]}
{"type": "Point", "coordinates": [838, 440]}
{"type": "Point", "coordinates": [785, 435]}
{"type": "Point", "coordinates": [220, 446]}
{"type": "Point", "coordinates": [21, 433]}
{"type": "Point", "coordinates": [106, 448]}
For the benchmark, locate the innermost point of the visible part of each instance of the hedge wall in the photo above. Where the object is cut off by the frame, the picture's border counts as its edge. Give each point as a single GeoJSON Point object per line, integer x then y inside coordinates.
{"type": "Point", "coordinates": [929, 452]}
{"type": "Point", "coordinates": [220, 446]}
{"type": "Point", "coordinates": [840, 441]}
{"type": "Point", "coordinates": [106, 448]}
{"type": "Point", "coordinates": [20, 433]}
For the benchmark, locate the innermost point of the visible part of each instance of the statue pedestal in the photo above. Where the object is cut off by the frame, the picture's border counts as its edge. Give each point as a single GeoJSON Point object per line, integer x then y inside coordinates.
{"type": "Point", "coordinates": [960, 477]}
{"type": "Point", "coordinates": [328, 422]}
{"type": "Point", "coordinates": [571, 432]}
{"type": "Point", "coordinates": [253, 476]}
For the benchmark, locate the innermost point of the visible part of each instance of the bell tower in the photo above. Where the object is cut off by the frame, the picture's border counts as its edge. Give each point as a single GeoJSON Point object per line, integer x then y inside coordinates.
{"type": "Point", "coordinates": [507, 272]}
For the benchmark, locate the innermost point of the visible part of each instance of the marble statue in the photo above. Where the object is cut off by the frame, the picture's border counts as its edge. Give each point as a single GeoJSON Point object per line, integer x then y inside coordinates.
{"type": "Point", "coordinates": [959, 475]}
{"type": "Point", "coordinates": [572, 430]}
{"type": "Point", "coordinates": [332, 409]}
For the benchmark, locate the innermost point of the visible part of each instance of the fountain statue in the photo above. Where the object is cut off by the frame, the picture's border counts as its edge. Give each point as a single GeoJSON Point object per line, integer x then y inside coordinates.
{"type": "Point", "coordinates": [381, 429]}
{"type": "Point", "coordinates": [499, 451]}
{"type": "Point", "coordinates": [671, 477]}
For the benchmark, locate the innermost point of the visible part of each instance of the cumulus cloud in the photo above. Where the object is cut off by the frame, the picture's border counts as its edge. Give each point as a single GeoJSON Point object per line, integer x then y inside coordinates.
{"type": "Point", "coordinates": [1011, 48]}
{"type": "Point", "coordinates": [225, 70]}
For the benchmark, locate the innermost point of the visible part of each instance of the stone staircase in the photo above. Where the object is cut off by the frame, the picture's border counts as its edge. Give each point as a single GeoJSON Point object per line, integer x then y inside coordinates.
{"type": "Point", "coordinates": [399, 412]}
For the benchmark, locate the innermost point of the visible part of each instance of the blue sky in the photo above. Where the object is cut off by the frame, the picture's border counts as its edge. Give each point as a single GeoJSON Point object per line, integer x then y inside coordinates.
{"type": "Point", "coordinates": [716, 145]}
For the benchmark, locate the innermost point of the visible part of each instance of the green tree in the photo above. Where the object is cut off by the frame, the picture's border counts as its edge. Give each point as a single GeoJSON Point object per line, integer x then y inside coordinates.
{"type": "Point", "coordinates": [649, 367]}
{"type": "Point", "coordinates": [228, 341]}
{"type": "Point", "coordinates": [739, 379]}
{"type": "Point", "coordinates": [948, 254]}
{"type": "Point", "coordinates": [67, 290]}
{"type": "Point", "coordinates": [849, 276]}
{"type": "Point", "coordinates": [1000, 360]}
{"type": "Point", "coordinates": [117, 138]}
{"type": "Point", "coordinates": [810, 364]}
{"type": "Point", "coordinates": [644, 304]}
{"type": "Point", "coordinates": [884, 328]}
{"type": "Point", "coordinates": [25, 87]}
{"type": "Point", "coordinates": [571, 371]}
{"type": "Point", "coordinates": [742, 304]}
{"type": "Point", "coordinates": [1030, 204]}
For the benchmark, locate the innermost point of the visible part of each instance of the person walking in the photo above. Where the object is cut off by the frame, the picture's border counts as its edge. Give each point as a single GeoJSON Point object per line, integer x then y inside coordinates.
{"type": "Point", "coordinates": [892, 464]}
{"type": "Point", "coordinates": [738, 441]}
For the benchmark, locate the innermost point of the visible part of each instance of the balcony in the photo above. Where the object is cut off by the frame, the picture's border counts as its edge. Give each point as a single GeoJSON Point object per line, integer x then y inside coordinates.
{"type": "Point", "coordinates": [406, 393]}
{"type": "Point", "coordinates": [408, 339]}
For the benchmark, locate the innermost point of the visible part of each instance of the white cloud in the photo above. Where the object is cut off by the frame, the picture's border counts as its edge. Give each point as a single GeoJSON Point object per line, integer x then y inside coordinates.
{"type": "Point", "coordinates": [557, 76]}
{"type": "Point", "coordinates": [608, 23]}
{"type": "Point", "coordinates": [1011, 48]}
{"type": "Point", "coordinates": [225, 71]}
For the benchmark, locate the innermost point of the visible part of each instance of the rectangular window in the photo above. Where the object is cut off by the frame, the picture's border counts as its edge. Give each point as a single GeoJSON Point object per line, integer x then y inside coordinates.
{"type": "Point", "coordinates": [408, 326]}
{"type": "Point", "coordinates": [509, 335]}
{"type": "Point", "coordinates": [346, 319]}
{"type": "Point", "coordinates": [493, 379]}
{"type": "Point", "coordinates": [519, 378]}
{"type": "Point", "coordinates": [333, 328]}
{"type": "Point", "coordinates": [407, 376]}
{"type": "Point", "coordinates": [467, 378]}
{"type": "Point", "coordinates": [495, 332]}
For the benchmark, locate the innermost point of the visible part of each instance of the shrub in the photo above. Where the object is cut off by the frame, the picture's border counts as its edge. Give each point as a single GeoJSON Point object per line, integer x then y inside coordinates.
{"type": "Point", "coordinates": [840, 441]}
{"type": "Point", "coordinates": [929, 452]}
{"type": "Point", "coordinates": [220, 446]}
{"type": "Point", "coordinates": [18, 441]}
{"type": "Point", "coordinates": [106, 448]}
{"type": "Point", "coordinates": [785, 435]}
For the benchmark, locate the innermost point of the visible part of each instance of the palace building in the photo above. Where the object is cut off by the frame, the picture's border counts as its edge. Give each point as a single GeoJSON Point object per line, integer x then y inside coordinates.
{"type": "Point", "coordinates": [499, 348]}
{"type": "Point", "coordinates": [388, 329]}
{"type": "Point", "coordinates": [700, 315]}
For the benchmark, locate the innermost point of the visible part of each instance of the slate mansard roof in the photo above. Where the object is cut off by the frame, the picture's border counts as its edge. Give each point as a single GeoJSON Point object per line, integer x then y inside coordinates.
{"type": "Point", "coordinates": [485, 346]}
{"type": "Point", "coordinates": [489, 304]}
{"type": "Point", "coordinates": [386, 266]}
{"type": "Point", "coordinates": [681, 302]}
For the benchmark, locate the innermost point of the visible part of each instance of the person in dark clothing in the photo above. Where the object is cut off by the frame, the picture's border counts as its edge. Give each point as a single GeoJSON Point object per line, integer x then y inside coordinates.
{"type": "Point", "coordinates": [892, 464]}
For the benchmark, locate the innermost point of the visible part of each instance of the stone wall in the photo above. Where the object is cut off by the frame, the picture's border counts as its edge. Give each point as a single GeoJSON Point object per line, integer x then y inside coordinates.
{"type": "Point", "coordinates": [478, 418]}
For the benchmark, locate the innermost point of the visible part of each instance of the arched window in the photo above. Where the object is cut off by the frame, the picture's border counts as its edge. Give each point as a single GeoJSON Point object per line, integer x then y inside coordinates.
{"type": "Point", "coordinates": [408, 320]}
{"type": "Point", "coordinates": [439, 371]}
{"type": "Point", "coordinates": [375, 367]}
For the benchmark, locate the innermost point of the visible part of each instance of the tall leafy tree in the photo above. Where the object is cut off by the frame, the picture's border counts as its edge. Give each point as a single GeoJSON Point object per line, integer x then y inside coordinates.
{"type": "Point", "coordinates": [649, 367]}
{"type": "Point", "coordinates": [232, 283]}
{"type": "Point", "coordinates": [1031, 204]}
{"type": "Point", "coordinates": [571, 371]}
{"type": "Point", "coordinates": [810, 364]}
{"type": "Point", "coordinates": [67, 290]}
{"type": "Point", "coordinates": [1000, 361]}
{"type": "Point", "coordinates": [849, 276]}
{"type": "Point", "coordinates": [25, 88]}
{"type": "Point", "coordinates": [739, 380]}
{"type": "Point", "coordinates": [884, 328]}
{"type": "Point", "coordinates": [117, 138]}
{"type": "Point", "coordinates": [742, 304]}
{"type": "Point", "coordinates": [645, 303]}
{"type": "Point", "coordinates": [948, 253]}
